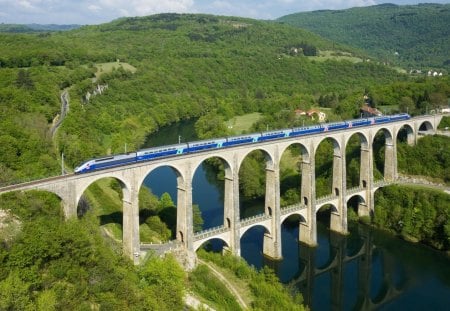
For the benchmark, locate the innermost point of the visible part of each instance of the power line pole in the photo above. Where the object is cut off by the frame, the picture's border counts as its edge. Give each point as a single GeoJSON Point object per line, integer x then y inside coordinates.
{"type": "Point", "coordinates": [62, 164]}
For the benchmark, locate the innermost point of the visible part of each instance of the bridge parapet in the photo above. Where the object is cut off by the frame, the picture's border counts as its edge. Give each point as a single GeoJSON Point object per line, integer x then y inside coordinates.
{"type": "Point", "coordinates": [354, 190]}
{"type": "Point", "coordinates": [382, 183]}
{"type": "Point", "coordinates": [254, 219]}
{"type": "Point", "coordinates": [210, 232]}
{"type": "Point", "coordinates": [292, 208]}
{"type": "Point", "coordinates": [324, 199]}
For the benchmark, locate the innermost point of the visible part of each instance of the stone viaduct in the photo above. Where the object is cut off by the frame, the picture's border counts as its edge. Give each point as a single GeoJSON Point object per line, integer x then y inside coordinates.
{"type": "Point", "coordinates": [70, 188]}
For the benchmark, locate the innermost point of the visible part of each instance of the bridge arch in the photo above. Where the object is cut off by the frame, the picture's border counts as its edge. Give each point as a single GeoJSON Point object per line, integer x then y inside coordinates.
{"type": "Point", "coordinates": [357, 159]}
{"type": "Point", "coordinates": [174, 216]}
{"type": "Point", "coordinates": [386, 163]}
{"type": "Point", "coordinates": [405, 133]}
{"type": "Point", "coordinates": [355, 203]}
{"type": "Point", "coordinates": [123, 182]}
{"type": "Point", "coordinates": [219, 238]}
{"type": "Point", "coordinates": [218, 174]}
{"type": "Point", "coordinates": [246, 229]}
{"type": "Point", "coordinates": [328, 166]}
{"type": "Point", "coordinates": [323, 206]}
{"type": "Point", "coordinates": [256, 173]}
{"type": "Point", "coordinates": [181, 178]}
{"type": "Point", "coordinates": [301, 218]}
{"type": "Point", "coordinates": [425, 126]}
{"type": "Point", "coordinates": [293, 157]}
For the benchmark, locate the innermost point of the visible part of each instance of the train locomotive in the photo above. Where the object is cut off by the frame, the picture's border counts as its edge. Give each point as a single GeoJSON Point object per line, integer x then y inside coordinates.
{"type": "Point", "coordinates": [198, 146]}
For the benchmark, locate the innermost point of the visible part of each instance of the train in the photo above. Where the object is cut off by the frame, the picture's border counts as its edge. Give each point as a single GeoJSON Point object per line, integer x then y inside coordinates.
{"type": "Point", "coordinates": [224, 142]}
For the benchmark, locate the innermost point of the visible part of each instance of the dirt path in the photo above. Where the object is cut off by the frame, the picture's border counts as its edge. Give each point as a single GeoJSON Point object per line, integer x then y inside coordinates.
{"type": "Point", "coordinates": [64, 110]}
{"type": "Point", "coordinates": [230, 287]}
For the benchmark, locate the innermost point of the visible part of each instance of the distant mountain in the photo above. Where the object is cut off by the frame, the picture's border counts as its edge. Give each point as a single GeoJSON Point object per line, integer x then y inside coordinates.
{"type": "Point", "coordinates": [413, 36]}
{"type": "Point", "coordinates": [19, 28]}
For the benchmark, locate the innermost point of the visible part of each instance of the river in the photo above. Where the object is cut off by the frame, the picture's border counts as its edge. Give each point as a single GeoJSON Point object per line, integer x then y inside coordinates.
{"type": "Point", "coordinates": [366, 269]}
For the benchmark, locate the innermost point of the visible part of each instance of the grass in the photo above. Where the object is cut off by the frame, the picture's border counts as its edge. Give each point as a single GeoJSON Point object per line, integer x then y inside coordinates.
{"type": "Point", "coordinates": [333, 55]}
{"type": "Point", "coordinates": [212, 291]}
{"type": "Point", "coordinates": [239, 284]}
{"type": "Point", "coordinates": [108, 67]}
{"type": "Point", "coordinates": [243, 123]}
{"type": "Point", "coordinates": [107, 206]}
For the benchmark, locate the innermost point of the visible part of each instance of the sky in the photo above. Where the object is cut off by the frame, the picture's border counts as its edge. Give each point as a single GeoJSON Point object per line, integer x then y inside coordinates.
{"type": "Point", "coordinates": [89, 12]}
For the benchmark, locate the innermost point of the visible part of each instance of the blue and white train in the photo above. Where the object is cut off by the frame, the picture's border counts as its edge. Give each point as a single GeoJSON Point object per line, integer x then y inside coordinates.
{"type": "Point", "coordinates": [197, 146]}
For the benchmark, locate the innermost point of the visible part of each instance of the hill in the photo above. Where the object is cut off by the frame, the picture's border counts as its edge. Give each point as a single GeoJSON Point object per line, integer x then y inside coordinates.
{"type": "Point", "coordinates": [413, 36]}
{"type": "Point", "coordinates": [186, 66]}
{"type": "Point", "coordinates": [19, 28]}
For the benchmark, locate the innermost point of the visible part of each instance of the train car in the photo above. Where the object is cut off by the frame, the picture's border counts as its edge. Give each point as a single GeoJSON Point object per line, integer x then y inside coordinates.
{"type": "Point", "coordinates": [242, 139]}
{"type": "Point", "coordinates": [105, 162]}
{"type": "Point", "coordinates": [205, 144]}
{"type": "Point", "coordinates": [382, 119]}
{"type": "Point", "coordinates": [157, 152]}
{"type": "Point", "coordinates": [298, 131]}
{"type": "Point", "coordinates": [273, 135]}
{"type": "Point", "coordinates": [400, 116]}
{"type": "Point", "coordinates": [358, 122]}
{"type": "Point", "coordinates": [335, 126]}
{"type": "Point", "coordinates": [163, 151]}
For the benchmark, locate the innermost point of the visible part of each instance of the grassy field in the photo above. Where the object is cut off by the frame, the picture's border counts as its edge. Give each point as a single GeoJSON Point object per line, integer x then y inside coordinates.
{"type": "Point", "coordinates": [108, 67]}
{"type": "Point", "coordinates": [107, 206]}
{"type": "Point", "coordinates": [333, 55]}
{"type": "Point", "coordinates": [243, 123]}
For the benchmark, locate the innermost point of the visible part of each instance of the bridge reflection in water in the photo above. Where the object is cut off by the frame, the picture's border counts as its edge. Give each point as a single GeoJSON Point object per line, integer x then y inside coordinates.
{"type": "Point", "coordinates": [343, 273]}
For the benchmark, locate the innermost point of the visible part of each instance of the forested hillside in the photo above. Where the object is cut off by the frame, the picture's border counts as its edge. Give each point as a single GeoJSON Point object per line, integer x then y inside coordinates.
{"type": "Point", "coordinates": [413, 36]}
{"type": "Point", "coordinates": [184, 66]}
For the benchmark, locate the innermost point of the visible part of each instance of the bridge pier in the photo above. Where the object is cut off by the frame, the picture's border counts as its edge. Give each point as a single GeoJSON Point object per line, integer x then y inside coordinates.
{"type": "Point", "coordinates": [366, 178]}
{"type": "Point", "coordinates": [272, 240]}
{"type": "Point", "coordinates": [390, 161]}
{"type": "Point", "coordinates": [307, 231]}
{"type": "Point", "coordinates": [131, 241]}
{"type": "Point", "coordinates": [185, 229]}
{"type": "Point", "coordinates": [231, 209]}
{"type": "Point", "coordinates": [338, 219]}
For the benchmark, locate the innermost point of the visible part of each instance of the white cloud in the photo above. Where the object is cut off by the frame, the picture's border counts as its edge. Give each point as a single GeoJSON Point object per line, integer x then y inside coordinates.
{"type": "Point", "coordinates": [94, 8]}
{"type": "Point", "coordinates": [146, 7]}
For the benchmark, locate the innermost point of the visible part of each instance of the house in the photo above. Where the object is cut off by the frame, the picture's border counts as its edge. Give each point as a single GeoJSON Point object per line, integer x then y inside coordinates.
{"type": "Point", "coordinates": [314, 113]}
{"type": "Point", "coordinates": [367, 112]}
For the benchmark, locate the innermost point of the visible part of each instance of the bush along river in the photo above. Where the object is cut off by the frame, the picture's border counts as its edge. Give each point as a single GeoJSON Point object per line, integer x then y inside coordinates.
{"type": "Point", "coordinates": [367, 269]}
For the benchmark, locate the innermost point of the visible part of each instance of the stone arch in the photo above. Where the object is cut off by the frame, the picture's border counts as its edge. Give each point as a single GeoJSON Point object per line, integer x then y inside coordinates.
{"type": "Point", "coordinates": [211, 198]}
{"type": "Point", "coordinates": [178, 173]}
{"type": "Point", "coordinates": [408, 132]}
{"type": "Point", "coordinates": [225, 243]}
{"type": "Point", "coordinates": [425, 126]}
{"type": "Point", "coordinates": [301, 218]}
{"type": "Point", "coordinates": [388, 135]}
{"type": "Point", "coordinates": [291, 169]}
{"type": "Point", "coordinates": [304, 150]}
{"type": "Point", "coordinates": [387, 163]}
{"type": "Point", "coordinates": [126, 187]}
{"type": "Point", "coordinates": [258, 190]}
{"type": "Point", "coordinates": [175, 217]}
{"type": "Point", "coordinates": [357, 166]}
{"type": "Point", "coordinates": [355, 202]}
{"type": "Point", "coordinates": [266, 229]}
{"type": "Point", "coordinates": [328, 167]}
{"type": "Point", "coordinates": [333, 208]}
{"type": "Point", "coordinates": [267, 156]}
